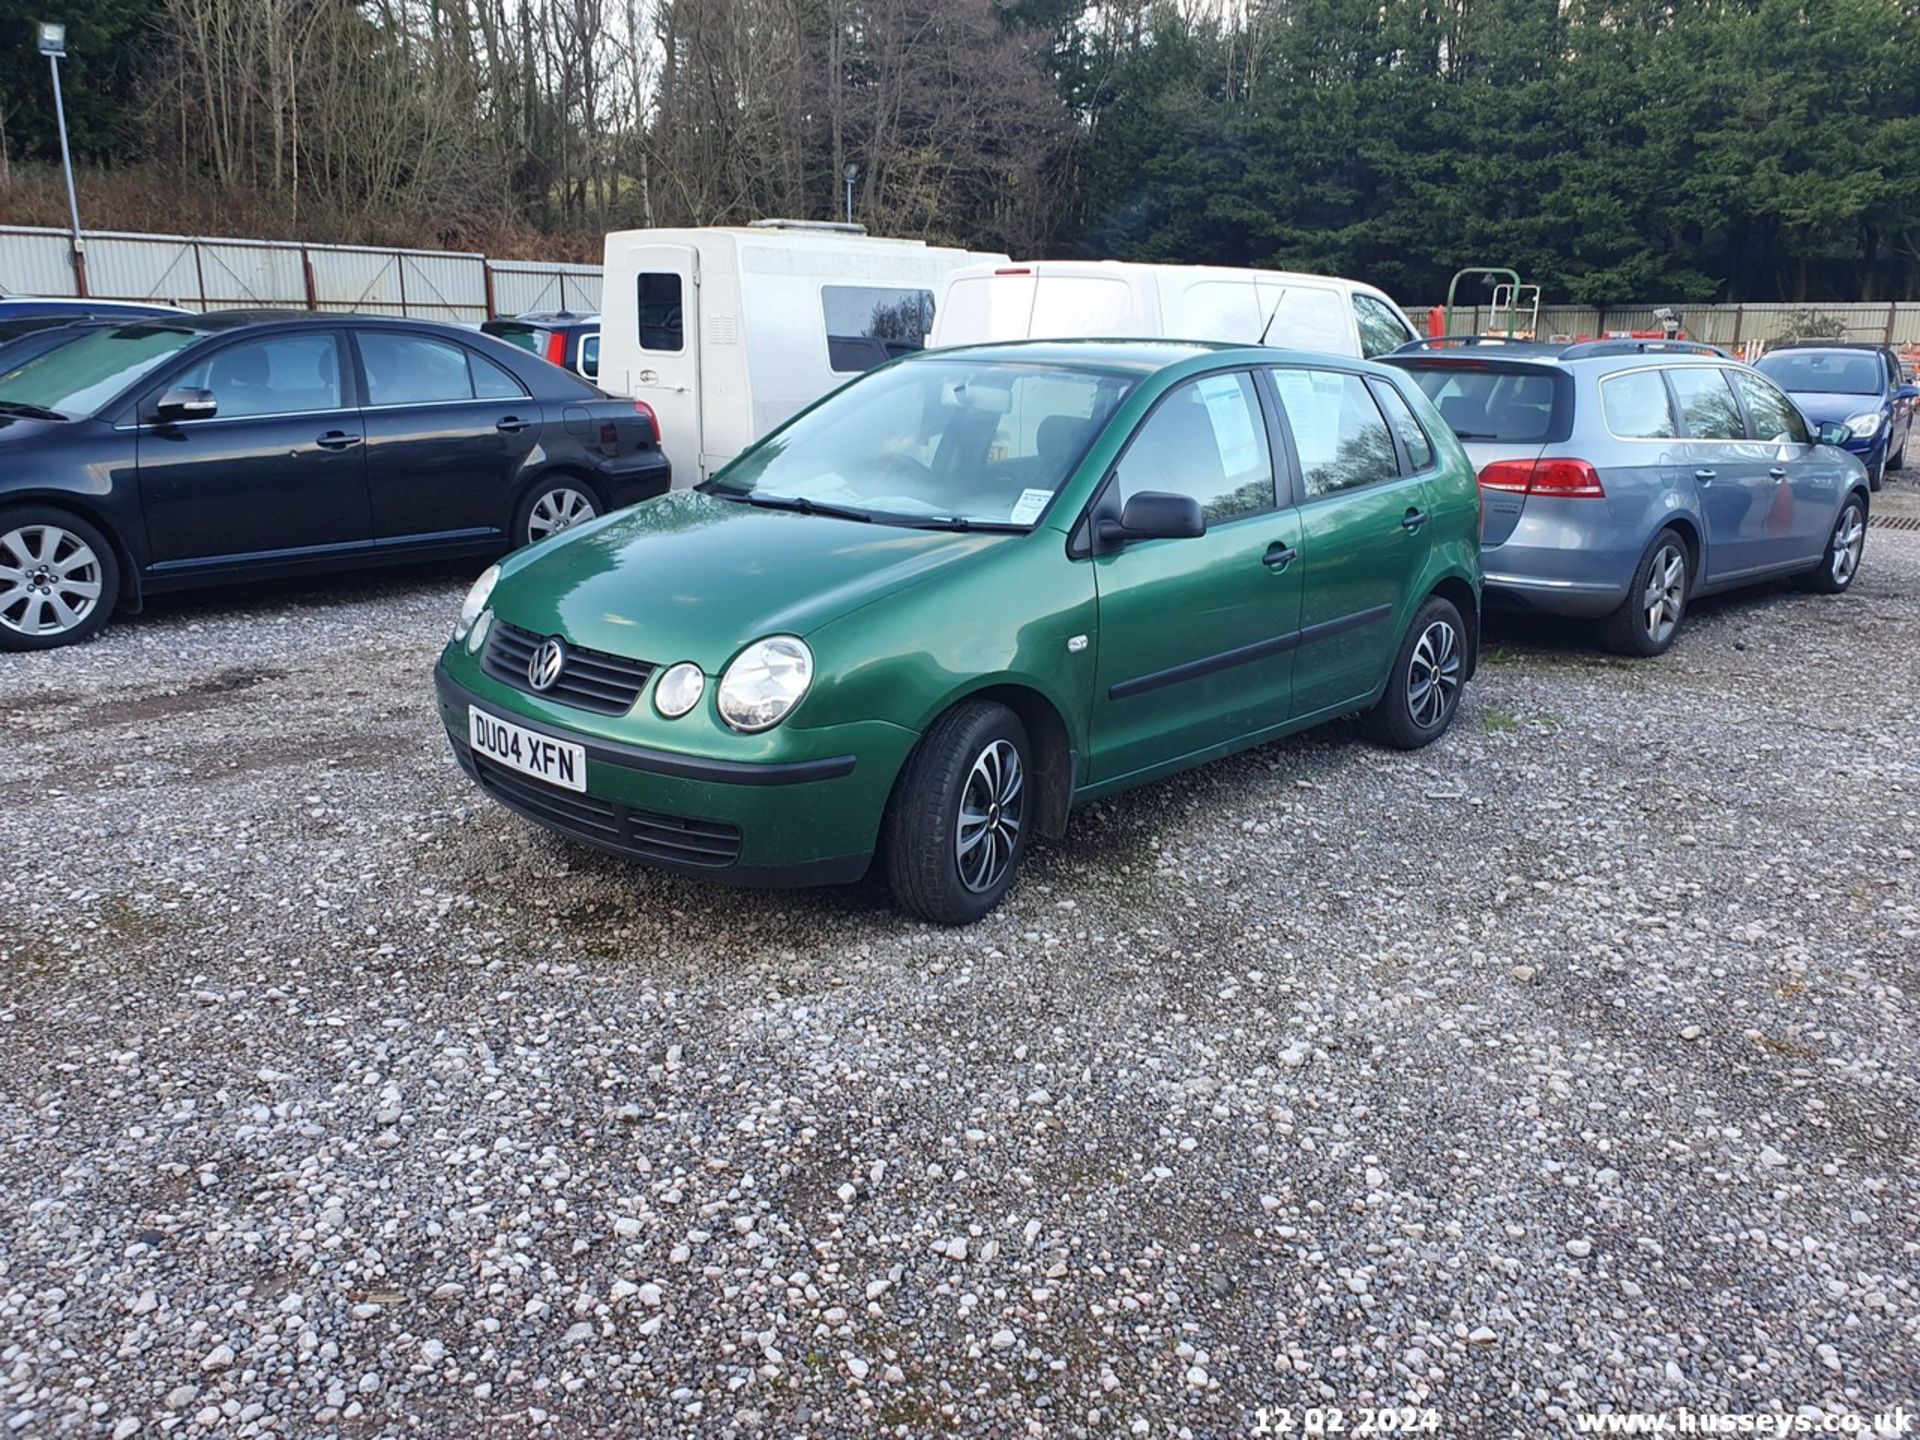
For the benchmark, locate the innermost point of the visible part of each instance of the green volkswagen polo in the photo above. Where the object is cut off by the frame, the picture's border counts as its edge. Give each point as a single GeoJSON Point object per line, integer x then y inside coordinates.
{"type": "Point", "coordinates": [922, 621]}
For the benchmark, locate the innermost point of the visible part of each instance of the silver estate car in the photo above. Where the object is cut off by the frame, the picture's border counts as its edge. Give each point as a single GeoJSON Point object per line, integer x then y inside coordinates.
{"type": "Point", "coordinates": [1621, 478]}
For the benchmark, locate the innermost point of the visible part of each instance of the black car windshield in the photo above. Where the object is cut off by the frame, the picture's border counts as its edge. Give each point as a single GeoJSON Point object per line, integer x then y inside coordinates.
{"type": "Point", "coordinates": [78, 378]}
{"type": "Point", "coordinates": [1833, 372]}
{"type": "Point", "coordinates": [934, 442]}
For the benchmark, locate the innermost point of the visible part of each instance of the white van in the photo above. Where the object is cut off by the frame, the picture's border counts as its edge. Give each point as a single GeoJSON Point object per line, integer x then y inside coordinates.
{"type": "Point", "coordinates": [1113, 299]}
{"type": "Point", "coordinates": [726, 331]}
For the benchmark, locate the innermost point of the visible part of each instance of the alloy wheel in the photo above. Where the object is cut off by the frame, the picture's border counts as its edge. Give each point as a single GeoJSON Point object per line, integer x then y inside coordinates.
{"type": "Point", "coordinates": [1849, 539]}
{"type": "Point", "coordinates": [1433, 674]}
{"type": "Point", "coordinates": [50, 580]}
{"type": "Point", "coordinates": [558, 510]}
{"type": "Point", "coordinates": [1665, 595]}
{"type": "Point", "coordinates": [992, 806]}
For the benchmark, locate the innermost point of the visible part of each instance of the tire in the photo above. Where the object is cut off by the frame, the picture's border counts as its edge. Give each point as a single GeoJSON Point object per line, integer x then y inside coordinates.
{"type": "Point", "coordinates": [936, 864]}
{"type": "Point", "coordinates": [1846, 544]}
{"type": "Point", "coordinates": [1423, 691]}
{"type": "Point", "coordinates": [1877, 476]}
{"type": "Point", "coordinates": [1899, 461]}
{"type": "Point", "coordinates": [59, 578]}
{"type": "Point", "coordinates": [1636, 628]}
{"type": "Point", "coordinates": [554, 504]}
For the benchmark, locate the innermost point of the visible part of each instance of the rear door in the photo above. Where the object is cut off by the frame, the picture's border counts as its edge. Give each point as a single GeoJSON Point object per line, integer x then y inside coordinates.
{"type": "Point", "coordinates": [1804, 480]}
{"type": "Point", "coordinates": [1364, 535]}
{"type": "Point", "coordinates": [448, 434]}
{"type": "Point", "coordinates": [278, 469]}
{"type": "Point", "coordinates": [663, 342]}
{"type": "Point", "coordinates": [1196, 635]}
{"type": "Point", "coordinates": [1730, 474]}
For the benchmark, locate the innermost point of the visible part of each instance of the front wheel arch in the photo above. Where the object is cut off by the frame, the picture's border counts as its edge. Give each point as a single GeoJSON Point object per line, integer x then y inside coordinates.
{"type": "Point", "coordinates": [1056, 760]}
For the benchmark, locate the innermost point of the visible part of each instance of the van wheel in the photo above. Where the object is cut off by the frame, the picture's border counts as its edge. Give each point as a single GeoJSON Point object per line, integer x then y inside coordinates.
{"type": "Point", "coordinates": [59, 580]}
{"type": "Point", "coordinates": [1649, 618]}
{"type": "Point", "coordinates": [1846, 543]}
{"type": "Point", "coordinates": [1424, 690]}
{"type": "Point", "coordinates": [956, 830]}
{"type": "Point", "coordinates": [553, 506]}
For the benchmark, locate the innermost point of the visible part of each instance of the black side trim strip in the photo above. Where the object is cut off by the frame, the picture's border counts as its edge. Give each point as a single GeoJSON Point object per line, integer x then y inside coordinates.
{"type": "Point", "coordinates": [657, 762]}
{"type": "Point", "coordinates": [1246, 654]}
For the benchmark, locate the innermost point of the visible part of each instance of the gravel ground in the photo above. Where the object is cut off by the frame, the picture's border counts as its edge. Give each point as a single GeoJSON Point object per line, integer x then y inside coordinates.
{"type": "Point", "coordinates": [1568, 1065]}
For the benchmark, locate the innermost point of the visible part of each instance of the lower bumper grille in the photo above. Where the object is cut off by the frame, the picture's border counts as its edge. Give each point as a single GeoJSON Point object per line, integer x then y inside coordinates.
{"type": "Point", "coordinates": [671, 840]}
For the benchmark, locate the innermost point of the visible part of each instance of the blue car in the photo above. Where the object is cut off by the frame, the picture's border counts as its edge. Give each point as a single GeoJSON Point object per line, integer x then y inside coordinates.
{"type": "Point", "coordinates": [1858, 385]}
{"type": "Point", "coordinates": [1619, 479]}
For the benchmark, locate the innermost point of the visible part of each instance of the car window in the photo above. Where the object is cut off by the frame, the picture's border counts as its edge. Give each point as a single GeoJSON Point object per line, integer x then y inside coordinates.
{"type": "Point", "coordinates": [1400, 416]}
{"type": "Point", "coordinates": [277, 375]}
{"type": "Point", "coordinates": [933, 440]}
{"type": "Point", "coordinates": [660, 313]}
{"type": "Point", "coordinates": [416, 370]}
{"type": "Point", "coordinates": [1305, 317]}
{"type": "Point", "coordinates": [868, 325]}
{"type": "Point", "coordinates": [1707, 406]}
{"type": "Point", "coordinates": [1515, 407]}
{"type": "Point", "coordinates": [1831, 372]}
{"type": "Point", "coordinates": [1380, 329]}
{"type": "Point", "coordinates": [1338, 430]}
{"type": "Point", "coordinates": [1636, 406]}
{"type": "Point", "coordinates": [1771, 415]}
{"type": "Point", "coordinates": [590, 357]}
{"type": "Point", "coordinates": [78, 378]}
{"type": "Point", "coordinates": [1206, 439]}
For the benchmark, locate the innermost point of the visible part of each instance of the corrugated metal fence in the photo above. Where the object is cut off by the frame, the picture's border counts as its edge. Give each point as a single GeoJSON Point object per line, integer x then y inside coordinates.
{"type": "Point", "coordinates": [1885, 322]}
{"type": "Point", "coordinates": [213, 274]}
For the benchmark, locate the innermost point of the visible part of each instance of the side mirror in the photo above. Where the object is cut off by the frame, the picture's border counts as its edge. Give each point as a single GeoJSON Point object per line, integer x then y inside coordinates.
{"type": "Point", "coordinates": [1907, 392]}
{"type": "Point", "coordinates": [1834, 433]}
{"type": "Point", "coordinates": [1155, 515]}
{"type": "Point", "coordinates": [185, 402]}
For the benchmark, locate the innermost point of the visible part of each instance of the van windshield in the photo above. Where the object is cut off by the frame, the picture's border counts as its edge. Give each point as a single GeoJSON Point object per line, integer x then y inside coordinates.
{"type": "Point", "coordinates": [933, 442]}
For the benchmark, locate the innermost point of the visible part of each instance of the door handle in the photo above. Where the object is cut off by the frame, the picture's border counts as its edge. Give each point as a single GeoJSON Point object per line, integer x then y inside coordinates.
{"type": "Point", "coordinates": [1279, 555]}
{"type": "Point", "coordinates": [1413, 520]}
{"type": "Point", "coordinates": [1705, 477]}
{"type": "Point", "coordinates": [337, 440]}
{"type": "Point", "coordinates": [512, 425]}
{"type": "Point", "coordinates": [1777, 473]}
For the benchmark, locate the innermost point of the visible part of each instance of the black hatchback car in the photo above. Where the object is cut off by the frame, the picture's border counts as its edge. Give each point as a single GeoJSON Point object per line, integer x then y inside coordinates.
{"type": "Point", "coordinates": [193, 450]}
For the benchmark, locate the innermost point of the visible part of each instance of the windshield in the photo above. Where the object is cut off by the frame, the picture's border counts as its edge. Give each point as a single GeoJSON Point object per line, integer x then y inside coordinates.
{"type": "Point", "coordinates": [78, 378]}
{"type": "Point", "coordinates": [1835, 372]}
{"type": "Point", "coordinates": [935, 441]}
{"type": "Point", "coordinates": [526, 337]}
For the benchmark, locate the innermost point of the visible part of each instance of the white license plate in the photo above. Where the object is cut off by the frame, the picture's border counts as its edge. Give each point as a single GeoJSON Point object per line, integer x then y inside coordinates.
{"type": "Point", "coordinates": [558, 762]}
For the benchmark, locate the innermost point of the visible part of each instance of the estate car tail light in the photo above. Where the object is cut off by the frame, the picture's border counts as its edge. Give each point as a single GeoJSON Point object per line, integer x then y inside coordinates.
{"type": "Point", "coordinates": [652, 419]}
{"type": "Point", "coordinates": [557, 348]}
{"type": "Point", "coordinates": [1568, 479]}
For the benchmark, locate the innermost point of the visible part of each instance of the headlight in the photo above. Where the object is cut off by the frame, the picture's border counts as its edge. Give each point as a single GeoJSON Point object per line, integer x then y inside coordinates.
{"type": "Point", "coordinates": [476, 601]}
{"type": "Point", "coordinates": [679, 690]}
{"type": "Point", "coordinates": [1863, 426]}
{"type": "Point", "coordinates": [765, 681]}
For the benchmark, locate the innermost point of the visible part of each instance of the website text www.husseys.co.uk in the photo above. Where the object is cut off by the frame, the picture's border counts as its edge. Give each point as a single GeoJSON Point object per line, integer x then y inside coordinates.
{"type": "Point", "coordinates": [1887, 1423]}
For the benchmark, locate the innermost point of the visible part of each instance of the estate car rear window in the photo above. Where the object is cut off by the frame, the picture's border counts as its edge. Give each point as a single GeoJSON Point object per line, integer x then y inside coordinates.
{"type": "Point", "coordinates": [1479, 402]}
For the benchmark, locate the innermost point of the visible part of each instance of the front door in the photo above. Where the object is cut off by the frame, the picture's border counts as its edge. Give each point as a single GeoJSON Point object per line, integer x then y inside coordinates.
{"type": "Point", "coordinates": [1804, 479]}
{"type": "Point", "coordinates": [650, 330]}
{"type": "Point", "coordinates": [448, 434]}
{"type": "Point", "coordinates": [1365, 537]}
{"type": "Point", "coordinates": [1196, 635]}
{"type": "Point", "coordinates": [277, 470]}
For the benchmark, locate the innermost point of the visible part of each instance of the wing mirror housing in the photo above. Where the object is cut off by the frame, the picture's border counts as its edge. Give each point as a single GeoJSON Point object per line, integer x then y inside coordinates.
{"type": "Point", "coordinates": [1907, 392]}
{"type": "Point", "coordinates": [1155, 515]}
{"type": "Point", "coordinates": [186, 402]}
{"type": "Point", "coordinates": [1834, 433]}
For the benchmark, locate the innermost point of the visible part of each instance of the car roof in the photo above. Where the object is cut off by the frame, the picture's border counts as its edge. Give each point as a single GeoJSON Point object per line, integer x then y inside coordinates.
{"type": "Point", "coordinates": [1137, 357]}
{"type": "Point", "coordinates": [1601, 354]}
{"type": "Point", "coordinates": [1873, 347]}
{"type": "Point", "coordinates": [215, 321]}
{"type": "Point", "coordinates": [547, 318]}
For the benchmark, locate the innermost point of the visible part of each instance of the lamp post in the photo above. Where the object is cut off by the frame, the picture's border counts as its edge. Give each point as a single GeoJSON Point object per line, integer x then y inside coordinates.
{"type": "Point", "coordinates": [53, 45]}
{"type": "Point", "coordinates": [850, 172]}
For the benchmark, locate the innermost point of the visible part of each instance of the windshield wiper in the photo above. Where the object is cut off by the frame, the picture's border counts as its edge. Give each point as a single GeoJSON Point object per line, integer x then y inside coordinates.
{"type": "Point", "coordinates": [804, 506]}
{"type": "Point", "coordinates": [961, 522]}
{"type": "Point", "coordinates": [29, 412]}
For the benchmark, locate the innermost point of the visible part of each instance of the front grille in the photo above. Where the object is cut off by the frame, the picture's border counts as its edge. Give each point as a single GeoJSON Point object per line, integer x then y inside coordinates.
{"type": "Point", "coordinates": [591, 680]}
{"type": "Point", "coordinates": [641, 834]}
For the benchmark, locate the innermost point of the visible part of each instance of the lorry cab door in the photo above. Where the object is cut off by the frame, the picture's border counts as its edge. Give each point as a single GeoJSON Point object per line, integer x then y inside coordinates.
{"type": "Point", "coordinates": [653, 295]}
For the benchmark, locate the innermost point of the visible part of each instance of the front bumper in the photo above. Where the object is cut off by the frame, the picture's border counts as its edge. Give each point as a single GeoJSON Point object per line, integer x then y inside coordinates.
{"type": "Point", "coordinates": [809, 820]}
